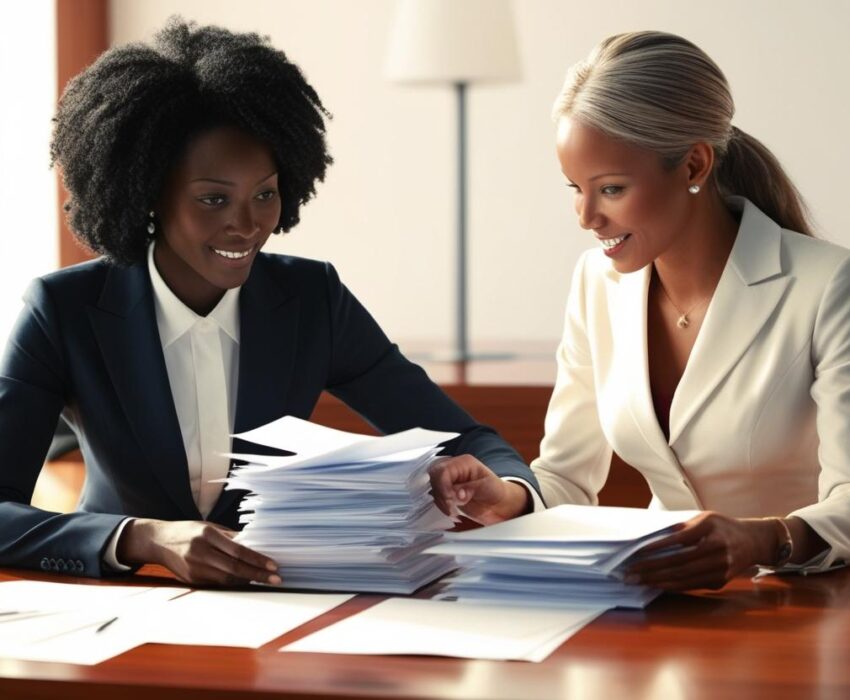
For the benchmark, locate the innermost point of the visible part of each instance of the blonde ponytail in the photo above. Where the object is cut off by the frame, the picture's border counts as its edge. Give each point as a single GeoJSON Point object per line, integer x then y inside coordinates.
{"type": "Point", "coordinates": [661, 92]}
{"type": "Point", "coordinates": [748, 168]}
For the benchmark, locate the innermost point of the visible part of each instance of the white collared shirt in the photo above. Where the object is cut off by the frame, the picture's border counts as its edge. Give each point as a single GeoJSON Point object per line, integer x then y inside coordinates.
{"type": "Point", "coordinates": [202, 360]}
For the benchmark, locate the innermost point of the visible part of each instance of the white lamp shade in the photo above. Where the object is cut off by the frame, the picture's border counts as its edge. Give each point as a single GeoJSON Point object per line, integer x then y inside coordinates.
{"type": "Point", "coordinates": [439, 41]}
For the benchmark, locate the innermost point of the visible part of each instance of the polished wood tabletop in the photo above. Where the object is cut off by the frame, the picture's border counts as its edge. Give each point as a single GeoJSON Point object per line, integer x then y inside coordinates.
{"type": "Point", "coordinates": [770, 638]}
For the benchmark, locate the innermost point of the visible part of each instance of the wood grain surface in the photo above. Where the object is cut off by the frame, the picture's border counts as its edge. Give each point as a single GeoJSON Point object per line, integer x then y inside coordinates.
{"type": "Point", "coordinates": [773, 638]}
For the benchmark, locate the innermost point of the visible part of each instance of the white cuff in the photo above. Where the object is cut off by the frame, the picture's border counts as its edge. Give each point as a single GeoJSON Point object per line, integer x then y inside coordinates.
{"type": "Point", "coordinates": [535, 497]}
{"type": "Point", "coordinates": [110, 556]}
{"type": "Point", "coordinates": [818, 564]}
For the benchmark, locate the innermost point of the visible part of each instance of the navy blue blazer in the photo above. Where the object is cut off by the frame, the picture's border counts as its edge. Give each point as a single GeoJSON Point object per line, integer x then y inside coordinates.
{"type": "Point", "coordinates": [87, 344]}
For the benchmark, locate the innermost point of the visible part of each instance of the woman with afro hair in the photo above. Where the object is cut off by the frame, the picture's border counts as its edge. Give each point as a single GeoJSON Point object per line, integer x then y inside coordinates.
{"type": "Point", "coordinates": [181, 158]}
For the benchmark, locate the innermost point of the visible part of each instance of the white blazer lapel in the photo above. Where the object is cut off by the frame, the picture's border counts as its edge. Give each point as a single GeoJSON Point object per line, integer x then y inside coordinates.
{"type": "Point", "coordinates": [751, 286]}
{"type": "Point", "coordinates": [629, 315]}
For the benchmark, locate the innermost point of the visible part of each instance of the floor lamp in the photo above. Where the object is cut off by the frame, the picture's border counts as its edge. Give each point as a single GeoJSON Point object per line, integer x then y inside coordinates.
{"type": "Point", "coordinates": [455, 42]}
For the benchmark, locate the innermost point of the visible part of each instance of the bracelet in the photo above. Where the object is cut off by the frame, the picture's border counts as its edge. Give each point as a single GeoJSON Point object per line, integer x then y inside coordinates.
{"type": "Point", "coordinates": [785, 547]}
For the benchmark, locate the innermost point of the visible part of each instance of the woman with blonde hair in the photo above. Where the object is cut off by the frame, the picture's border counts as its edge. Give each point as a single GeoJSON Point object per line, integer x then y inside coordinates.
{"type": "Point", "coordinates": [707, 337]}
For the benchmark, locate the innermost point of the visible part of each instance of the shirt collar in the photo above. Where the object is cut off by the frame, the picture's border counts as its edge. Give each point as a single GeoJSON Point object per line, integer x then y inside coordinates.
{"type": "Point", "coordinates": [174, 318]}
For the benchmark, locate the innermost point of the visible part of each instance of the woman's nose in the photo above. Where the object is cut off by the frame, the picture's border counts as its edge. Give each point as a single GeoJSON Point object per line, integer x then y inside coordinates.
{"type": "Point", "coordinates": [243, 223]}
{"type": "Point", "coordinates": [589, 216]}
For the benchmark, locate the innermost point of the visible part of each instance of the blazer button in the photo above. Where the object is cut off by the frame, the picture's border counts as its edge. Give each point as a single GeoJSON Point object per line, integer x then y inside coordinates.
{"type": "Point", "coordinates": [45, 564]}
{"type": "Point", "coordinates": [80, 566]}
{"type": "Point", "coordinates": [52, 563]}
{"type": "Point", "coordinates": [60, 564]}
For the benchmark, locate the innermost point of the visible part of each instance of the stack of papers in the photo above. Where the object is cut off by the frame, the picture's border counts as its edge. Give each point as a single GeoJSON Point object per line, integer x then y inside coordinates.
{"type": "Point", "coordinates": [346, 512]}
{"type": "Point", "coordinates": [564, 557]}
{"type": "Point", "coordinates": [435, 628]}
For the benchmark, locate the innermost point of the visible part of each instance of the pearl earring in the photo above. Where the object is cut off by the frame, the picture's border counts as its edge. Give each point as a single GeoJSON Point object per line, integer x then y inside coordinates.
{"type": "Point", "coordinates": [151, 225]}
{"type": "Point", "coordinates": [693, 189]}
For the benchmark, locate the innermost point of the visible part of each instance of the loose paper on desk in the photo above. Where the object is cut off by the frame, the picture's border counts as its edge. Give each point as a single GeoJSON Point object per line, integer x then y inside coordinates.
{"type": "Point", "coordinates": [566, 556]}
{"type": "Point", "coordinates": [347, 513]}
{"type": "Point", "coordinates": [436, 628]}
{"type": "Point", "coordinates": [59, 622]}
{"type": "Point", "coordinates": [235, 618]}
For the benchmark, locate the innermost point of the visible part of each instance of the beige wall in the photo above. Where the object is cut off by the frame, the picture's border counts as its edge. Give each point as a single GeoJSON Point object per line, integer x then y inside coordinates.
{"type": "Point", "coordinates": [28, 246]}
{"type": "Point", "coordinates": [385, 214]}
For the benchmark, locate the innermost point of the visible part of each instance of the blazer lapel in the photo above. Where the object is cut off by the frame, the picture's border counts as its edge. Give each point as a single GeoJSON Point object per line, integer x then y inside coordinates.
{"type": "Point", "coordinates": [268, 309]}
{"type": "Point", "coordinates": [124, 324]}
{"type": "Point", "coordinates": [750, 288]}
{"type": "Point", "coordinates": [631, 356]}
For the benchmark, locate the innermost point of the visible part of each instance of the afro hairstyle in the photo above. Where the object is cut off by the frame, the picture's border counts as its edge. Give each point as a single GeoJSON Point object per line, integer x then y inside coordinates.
{"type": "Point", "coordinates": [123, 122]}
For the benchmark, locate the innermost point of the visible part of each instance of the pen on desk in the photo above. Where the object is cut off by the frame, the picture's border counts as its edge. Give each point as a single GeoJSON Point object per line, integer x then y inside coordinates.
{"type": "Point", "coordinates": [105, 625]}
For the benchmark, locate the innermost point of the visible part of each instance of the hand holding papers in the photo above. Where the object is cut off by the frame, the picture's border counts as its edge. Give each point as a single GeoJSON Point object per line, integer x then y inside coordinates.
{"type": "Point", "coordinates": [567, 556]}
{"type": "Point", "coordinates": [347, 512]}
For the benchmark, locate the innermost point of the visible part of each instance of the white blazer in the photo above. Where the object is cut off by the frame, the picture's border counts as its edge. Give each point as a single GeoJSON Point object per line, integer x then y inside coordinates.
{"type": "Point", "coordinates": [760, 421]}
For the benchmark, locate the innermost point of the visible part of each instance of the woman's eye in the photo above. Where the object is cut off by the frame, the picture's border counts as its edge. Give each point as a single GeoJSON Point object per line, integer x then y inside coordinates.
{"type": "Point", "coordinates": [611, 189]}
{"type": "Point", "coordinates": [212, 200]}
{"type": "Point", "coordinates": [267, 195]}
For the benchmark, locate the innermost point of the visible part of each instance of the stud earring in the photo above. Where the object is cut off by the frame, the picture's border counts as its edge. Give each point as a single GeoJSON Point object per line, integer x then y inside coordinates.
{"type": "Point", "coordinates": [693, 189]}
{"type": "Point", "coordinates": [151, 225]}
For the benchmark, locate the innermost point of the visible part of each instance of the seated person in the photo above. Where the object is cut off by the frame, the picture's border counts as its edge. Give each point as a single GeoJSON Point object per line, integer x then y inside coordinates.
{"type": "Point", "coordinates": [707, 337]}
{"type": "Point", "coordinates": [181, 159]}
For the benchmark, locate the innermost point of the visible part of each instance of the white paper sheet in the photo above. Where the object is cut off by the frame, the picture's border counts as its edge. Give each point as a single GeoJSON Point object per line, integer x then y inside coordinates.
{"type": "Point", "coordinates": [138, 615]}
{"type": "Point", "coordinates": [435, 628]}
{"type": "Point", "coordinates": [301, 436]}
{"type": "Point", "coordinates": [68, 633]}
{"type": "Point", "coordinates": [46, 595]}
{"type": "Point", "coordinates": [235, 618]}
{"type": "Point", "coordinates": [84, 646]}
{"type": "Point", "coordinates": [287, 432]}
{"type": "Point", "coordinates": [578, 524]}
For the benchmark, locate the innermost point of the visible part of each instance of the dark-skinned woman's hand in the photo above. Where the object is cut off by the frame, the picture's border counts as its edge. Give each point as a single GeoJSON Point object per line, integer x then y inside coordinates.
{"type": "Point", "coordinates": [714, 549]}
{"type": "Point", "coordinates": [465, 483]}
{"type": "Point", "coordinates": [197, 553]}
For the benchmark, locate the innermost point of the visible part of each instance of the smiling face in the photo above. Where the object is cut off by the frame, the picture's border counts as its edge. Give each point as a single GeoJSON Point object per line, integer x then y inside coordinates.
{"type": "Point", "coordinates": [217, 210]}
{"type": "Point", "coordinates": [636, 207]}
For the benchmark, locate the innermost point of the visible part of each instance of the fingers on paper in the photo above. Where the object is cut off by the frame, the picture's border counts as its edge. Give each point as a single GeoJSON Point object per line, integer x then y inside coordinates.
{"type": "Point", "coordinates": [700, 559]}
{"type": "Point", "coordinates": [686, 534]}
{"type": "Point", "coordinates": [242, 562]}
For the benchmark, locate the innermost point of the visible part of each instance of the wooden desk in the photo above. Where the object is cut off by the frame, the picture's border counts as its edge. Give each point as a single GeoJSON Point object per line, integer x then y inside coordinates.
{"type": "Point", "coordinates": [772, 639]}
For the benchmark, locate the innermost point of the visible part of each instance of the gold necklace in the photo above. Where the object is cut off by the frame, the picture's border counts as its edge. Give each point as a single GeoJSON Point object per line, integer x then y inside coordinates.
{"type": "Point", "coordinates": [683, 321]}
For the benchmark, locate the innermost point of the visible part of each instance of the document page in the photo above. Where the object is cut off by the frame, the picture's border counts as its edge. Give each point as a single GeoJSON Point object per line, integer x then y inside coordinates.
{"type": "Point", "coordinates": [436, 628]}
{"type": "Point", "coordinates": [74, 623]}
{"type": "Point", "coordinates": [235, 618]}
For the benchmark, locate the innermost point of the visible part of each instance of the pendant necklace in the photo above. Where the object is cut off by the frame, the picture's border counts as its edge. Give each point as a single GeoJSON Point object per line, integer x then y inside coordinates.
{"type": "Point", "coordinates": [683, 321]}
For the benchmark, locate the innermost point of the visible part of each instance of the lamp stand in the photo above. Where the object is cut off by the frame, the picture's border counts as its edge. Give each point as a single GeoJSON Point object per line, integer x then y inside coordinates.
{"type": "Point", "coordinates": [461, 349]}
{"type": "Point", "coordinates": [460, 352]}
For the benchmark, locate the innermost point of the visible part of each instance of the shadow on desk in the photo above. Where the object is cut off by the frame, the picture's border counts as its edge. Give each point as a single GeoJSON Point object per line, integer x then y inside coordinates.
{"type": "Point", "coordinates": [517, 412]}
